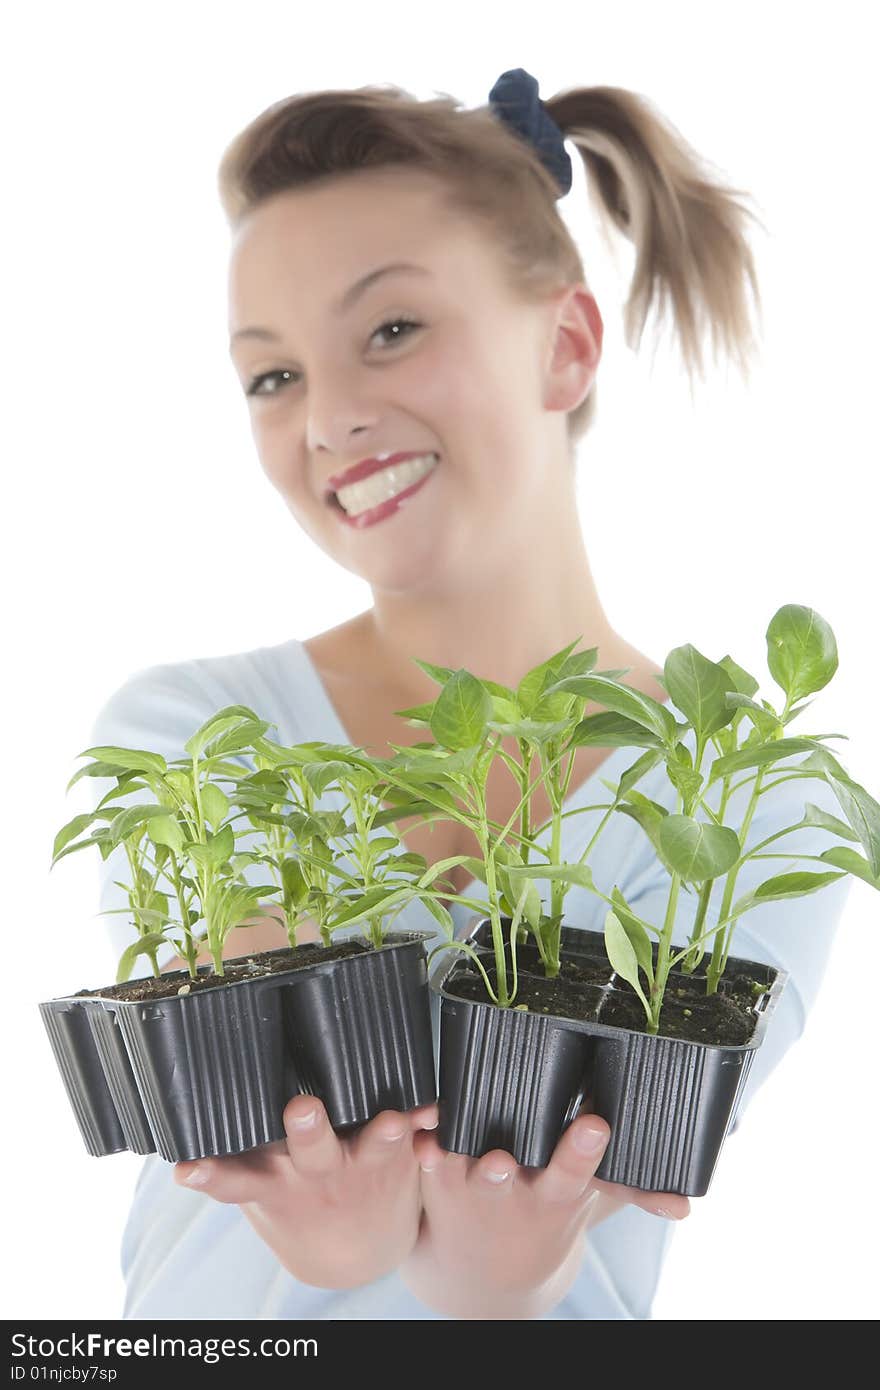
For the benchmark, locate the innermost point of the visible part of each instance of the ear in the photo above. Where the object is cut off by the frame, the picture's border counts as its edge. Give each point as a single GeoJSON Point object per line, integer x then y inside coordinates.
{"type": "Point", "coordinates": [575, 349]}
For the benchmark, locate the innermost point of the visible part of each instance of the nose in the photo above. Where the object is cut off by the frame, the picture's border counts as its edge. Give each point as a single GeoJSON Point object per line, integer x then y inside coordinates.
{"type": "Point", "coordinates": [335, 413]}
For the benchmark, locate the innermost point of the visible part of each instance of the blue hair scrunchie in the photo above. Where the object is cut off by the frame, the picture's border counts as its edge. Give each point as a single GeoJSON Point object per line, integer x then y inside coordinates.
{"type": "Point", "coordinates": [514, 98]}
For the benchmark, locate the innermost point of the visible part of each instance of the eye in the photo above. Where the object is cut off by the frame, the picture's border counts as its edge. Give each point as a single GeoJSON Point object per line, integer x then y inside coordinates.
{"type": "Point", "coordinates": [406, 324]}
{"type": "Point", "coordinates": [401, 322]}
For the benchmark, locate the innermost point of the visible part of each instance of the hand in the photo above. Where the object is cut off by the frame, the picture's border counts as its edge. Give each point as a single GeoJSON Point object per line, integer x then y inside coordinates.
{"type": "Point", "coordinates": [498, 1240]}
{"type": "Point", "coordinates": [338, 1212]}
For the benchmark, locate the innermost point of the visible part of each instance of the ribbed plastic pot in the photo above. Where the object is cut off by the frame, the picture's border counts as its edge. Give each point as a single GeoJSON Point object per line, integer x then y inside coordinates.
{"type": "Point", "coordinates": [515, 1080]}
{"type": "Point", "coordinates": [210, 1073]}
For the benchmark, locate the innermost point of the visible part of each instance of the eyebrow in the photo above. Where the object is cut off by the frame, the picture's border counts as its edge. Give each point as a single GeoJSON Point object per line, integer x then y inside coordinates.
{"type": "Point", "coordinates": [351, 294]}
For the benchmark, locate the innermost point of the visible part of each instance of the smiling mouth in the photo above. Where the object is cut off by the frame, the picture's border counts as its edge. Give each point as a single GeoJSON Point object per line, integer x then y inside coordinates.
{"type": "Point", "coordinates": [382, 486]}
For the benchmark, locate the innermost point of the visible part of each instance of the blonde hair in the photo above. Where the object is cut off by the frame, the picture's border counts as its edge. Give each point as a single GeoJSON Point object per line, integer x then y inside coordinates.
{"type": "Point", "coordinates": [688, 231]}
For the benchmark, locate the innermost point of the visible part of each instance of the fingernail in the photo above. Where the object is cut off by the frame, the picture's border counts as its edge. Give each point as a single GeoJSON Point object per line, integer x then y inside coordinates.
{"type": "Point", "coordinates": [662, 1211]}
{"type": "Point", "coordinates": [391, 1138]}
{"type": "Point", "coordinates": [589, 1141]}
{"type": "Point", "coordinates": [497, 1177]}
{"type": "Point", "coordinates": [427, 1167]}
{"type": "Point", "coordinates": [305, 1121]}
{"type": "Point", "coordinates": [197, 1177]}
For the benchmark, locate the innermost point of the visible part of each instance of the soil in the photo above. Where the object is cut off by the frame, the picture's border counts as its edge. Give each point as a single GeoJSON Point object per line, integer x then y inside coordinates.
{"type": "Point", "coordinates": [579, 970]}
{"type": "Point", "coordinates": [262, 963]}
{"type": "Point", "coordinates": [716, 1018]}
{"type": "Point", "coordinates": [727, 1018]}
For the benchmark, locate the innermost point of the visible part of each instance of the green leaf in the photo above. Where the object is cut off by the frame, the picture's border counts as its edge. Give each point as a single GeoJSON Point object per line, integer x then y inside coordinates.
{"type": "Point", "coordinates": [379, 844]}
{"type": "Point", "coordinates": [235, 740]}
{"type": "Point", "coordinates": [580, 874]}
{"type": "Point", "coordinates": [783, 886]}
{"type": "Point", "coordinates": [851, 862]}
{"type": "Point", "coordinates": [634, 773]}
{"type": "Point", "coordinates": [641, 709]}
{"type": "Point", "coordinates": [698, 686]}
{"type": "Point", "coordinates": [740, 679]}
{"type": "Point", "coordinates": [417, 714]}
{"type": "Point", "coordinates": [296, 888]}
{"type": "Point", "coordinates": [440, 913]}
{"type": "Point", "coordinates": [164, 830]}
{"type": "Point", "coordinates": [368, 904]}
{"type": "Point", "coordinates": [215, 851]}
{"type": "Point", "coordinates": [608, 729]}
{"type": "Point", "coordinates": [461, 712]}
{"type": "Point", "coordinates": [698, 850]}
{"type": "Point", "coordinates": [762, 756]}
{"type": "Point", "coordinates": [432, 872]}
{"type": "Point", "coordinates": [96, 769]}
{"type": "Point", "coordinates": [801, 651]}
{"type": "Point", "coordinates": [440, 674]}
{"type": "Point", "coordinates": [649, 814]}
{"type": "Point", "coordinates": [322, 775]}
{"type": "Point", "coordinates": [408, 863]}
{"type": "Point", "coordinates": [133, 818]}
{"type": "Point", "coordinates": [638, 937]}
{"type": "Point", "coordinates": [413, 807]}
{"type": "Point", "coordinates": [214, 804]}
{"type": "Point", "coordinates": [860, 809]}
{"type": "Point", "coordinates": [765, 721]}
{"type": "Point", "coordinates": [814, 815]}
{"type": "Point", "coordinates": [132, 759]}
{"type": "Point", "coordinates": [505, 711]}
{"type": "Point", "coordinates": [682, 773]}
{"type": "Point", "coordinates": [142, 947]}
{"type": "Point", "coordinates": [533, 683]}
{"type": "Point", "coordinates": [97, 839]}
{"type": "Point", "coordinates": [535, 730]}
{"type": "Point", "coordinates": [69, 832]}
{"type": "Point", "coordinates": [227, 718]}
{"type": "Point", "coordinates": [578, 664]}
{"type": "Point", "coordinates": [507, 860]}
{"type": "Point", "coordinates": [621, 953]}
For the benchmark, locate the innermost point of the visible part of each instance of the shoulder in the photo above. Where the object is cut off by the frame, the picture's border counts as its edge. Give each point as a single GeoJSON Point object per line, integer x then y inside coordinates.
{"type": "Point", "coordinates": [166, 702]}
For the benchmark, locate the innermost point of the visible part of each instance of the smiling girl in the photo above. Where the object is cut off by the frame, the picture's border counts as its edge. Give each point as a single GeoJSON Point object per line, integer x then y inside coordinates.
{"type": "Point", "coordinates": [418, 349]}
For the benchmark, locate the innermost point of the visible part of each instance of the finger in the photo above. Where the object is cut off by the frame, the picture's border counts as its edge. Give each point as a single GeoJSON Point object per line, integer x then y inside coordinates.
{"type": "Point", "coordinates": [314, 1149]}
{"type": "Point", "coordinates": [427, 1151]}
{"type": "Point", "coordinates": [237, 1178]}
{"type": "Point", "coordinates": [381, 1141]}
{"type": "Point", "coordinates": [434, 1159]}
{"type": "Point", "coordinates": [568, 1176]}
{"type": "Point", "coordinates": [424, 1117]}
{"type": "Point", "coordinates": [671, 1205]}
{"type": "Point", "coordinates": [494, 1172]}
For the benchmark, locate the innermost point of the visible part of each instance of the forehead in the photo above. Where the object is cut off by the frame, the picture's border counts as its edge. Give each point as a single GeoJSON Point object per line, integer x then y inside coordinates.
{"type": "Point", "coordinates": [316, 241]}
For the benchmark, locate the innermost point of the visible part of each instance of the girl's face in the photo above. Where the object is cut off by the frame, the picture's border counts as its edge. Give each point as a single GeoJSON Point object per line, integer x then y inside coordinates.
{"type": "Point", "coordinates": [331, 380]}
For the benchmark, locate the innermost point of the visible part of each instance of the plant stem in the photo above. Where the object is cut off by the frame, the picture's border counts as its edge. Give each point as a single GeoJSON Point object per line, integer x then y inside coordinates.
{"type": "Point", "coordinates": [661, 973]}
{"type": "Point", "coordinates": [721, 944]}
{"type": "Point", "coordinates": [504, 998]}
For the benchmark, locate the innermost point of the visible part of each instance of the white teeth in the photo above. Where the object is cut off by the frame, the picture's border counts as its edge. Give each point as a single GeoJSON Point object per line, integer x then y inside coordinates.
{"type": "Point", "coordinates": [385, 484]}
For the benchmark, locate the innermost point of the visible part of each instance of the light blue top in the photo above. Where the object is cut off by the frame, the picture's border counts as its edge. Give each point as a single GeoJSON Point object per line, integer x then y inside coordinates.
{"type": "Point", "coordinates": [185, 1255]}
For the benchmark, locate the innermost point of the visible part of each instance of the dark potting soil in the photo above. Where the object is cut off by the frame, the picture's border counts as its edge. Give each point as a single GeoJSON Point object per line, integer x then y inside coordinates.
{"type": "Point", "coordinates": [578, 970]}
{"type": "Point", "coordinates": [721, 1019]}
{"type": "Point", "coordinates": [558, 997]}
{"type": "Point", "coordinates": [715, 1018]}
{"type": "Point", "coordinates": [282, 958]}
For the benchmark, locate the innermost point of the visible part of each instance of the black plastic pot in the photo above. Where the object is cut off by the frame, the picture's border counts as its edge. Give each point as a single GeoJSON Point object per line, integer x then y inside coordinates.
{"type": "Point", "coordinates": [210, 1072]}
{"type": "Point", "coordinates": [515, 1080]}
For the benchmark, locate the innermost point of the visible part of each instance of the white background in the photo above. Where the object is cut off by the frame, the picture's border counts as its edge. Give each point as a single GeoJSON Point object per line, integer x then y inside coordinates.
{"type": "Point", "coordinates": [138, 526]}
